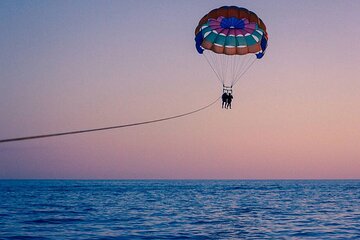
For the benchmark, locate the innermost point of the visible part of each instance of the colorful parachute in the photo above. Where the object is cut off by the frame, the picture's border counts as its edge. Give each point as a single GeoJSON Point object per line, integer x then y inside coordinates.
{"type": "Point", "coordinates": [231, 39]}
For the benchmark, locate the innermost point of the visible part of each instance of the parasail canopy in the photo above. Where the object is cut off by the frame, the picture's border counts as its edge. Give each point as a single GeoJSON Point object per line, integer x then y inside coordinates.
{"type": "Point", "coordinates": [231, 39]}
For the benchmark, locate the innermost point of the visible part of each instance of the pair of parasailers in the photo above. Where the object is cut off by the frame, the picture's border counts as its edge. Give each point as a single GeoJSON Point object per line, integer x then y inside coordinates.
{"type": "Point", "coordinates": [226, 100]}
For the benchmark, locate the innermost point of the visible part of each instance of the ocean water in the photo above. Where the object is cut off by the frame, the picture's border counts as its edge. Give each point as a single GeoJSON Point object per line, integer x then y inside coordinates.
{"type": "Point", "coordinates": [179, 209]}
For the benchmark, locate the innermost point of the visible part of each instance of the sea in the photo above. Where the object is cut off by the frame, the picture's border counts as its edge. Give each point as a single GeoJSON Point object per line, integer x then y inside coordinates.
{"type": "Point", "coordinates": [179, 209]}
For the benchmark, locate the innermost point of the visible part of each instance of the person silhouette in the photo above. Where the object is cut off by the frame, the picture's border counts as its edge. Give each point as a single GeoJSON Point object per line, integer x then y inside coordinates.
{"type": "Point", "coordinates": [224, 98]}
{"type": "Point", "coordinates": [229, 100]}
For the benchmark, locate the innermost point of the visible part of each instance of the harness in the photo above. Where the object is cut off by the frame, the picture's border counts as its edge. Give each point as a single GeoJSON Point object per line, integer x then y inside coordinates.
{"type": "Point", "coordinates": [227, 89]}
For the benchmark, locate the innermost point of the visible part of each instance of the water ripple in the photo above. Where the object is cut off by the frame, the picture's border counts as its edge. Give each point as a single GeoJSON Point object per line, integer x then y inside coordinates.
{"type": "Point", "coordinates": [180, 209]}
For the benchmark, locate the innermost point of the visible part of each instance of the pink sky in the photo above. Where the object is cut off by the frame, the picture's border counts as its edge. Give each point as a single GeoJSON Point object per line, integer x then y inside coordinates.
{"type": "Point", "coordinates": [78, 65]}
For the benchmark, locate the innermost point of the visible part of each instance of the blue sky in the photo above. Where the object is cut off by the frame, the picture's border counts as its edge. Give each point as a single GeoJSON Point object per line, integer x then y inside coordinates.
{"type": "Point", "coordinates": [69, 65]}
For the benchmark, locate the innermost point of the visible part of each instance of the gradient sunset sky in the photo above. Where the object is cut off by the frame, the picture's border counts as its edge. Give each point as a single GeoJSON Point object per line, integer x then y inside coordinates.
{"type": "Point", "coordinates": [72, 65]}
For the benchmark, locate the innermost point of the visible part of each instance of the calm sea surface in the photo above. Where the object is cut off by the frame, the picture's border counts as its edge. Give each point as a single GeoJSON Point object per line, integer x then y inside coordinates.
{"type": "Point", "coordinates": [127, 209]}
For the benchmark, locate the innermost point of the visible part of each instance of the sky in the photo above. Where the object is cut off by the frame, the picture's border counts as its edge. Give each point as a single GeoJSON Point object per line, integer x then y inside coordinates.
{"type": "Point", "coordinates": [72, 65]}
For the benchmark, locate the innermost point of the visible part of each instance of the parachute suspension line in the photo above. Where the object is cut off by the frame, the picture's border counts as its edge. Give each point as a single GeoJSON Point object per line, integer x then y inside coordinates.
{"type": "Point", "coordinates": [229, 68]}
{"type": "Point", "coordinates": [245, 70]}
{"type": "Point", "coordinates": [212, 67]}
{"type": "Point", "coordinates": [234, 68]}
{"type": "Point", "coordinates": [226, 66]}
{"type": "Point", "coordinates": [237, 63]}
{"type": "Point", "coordinates": [240, 67]}
{"type": "Point", "coordinates": [217, 66]}
{"type": "Point", "coordinates": [222, 66]}
{"type": "Point", "coordinates": [107, 128]}
{"type": "Point", "coordinates": [247, 64]}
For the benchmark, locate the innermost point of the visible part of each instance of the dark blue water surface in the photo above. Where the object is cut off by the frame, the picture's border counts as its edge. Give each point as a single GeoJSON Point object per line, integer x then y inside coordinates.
{"type": "Point", "coordinates": [127, 209]}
